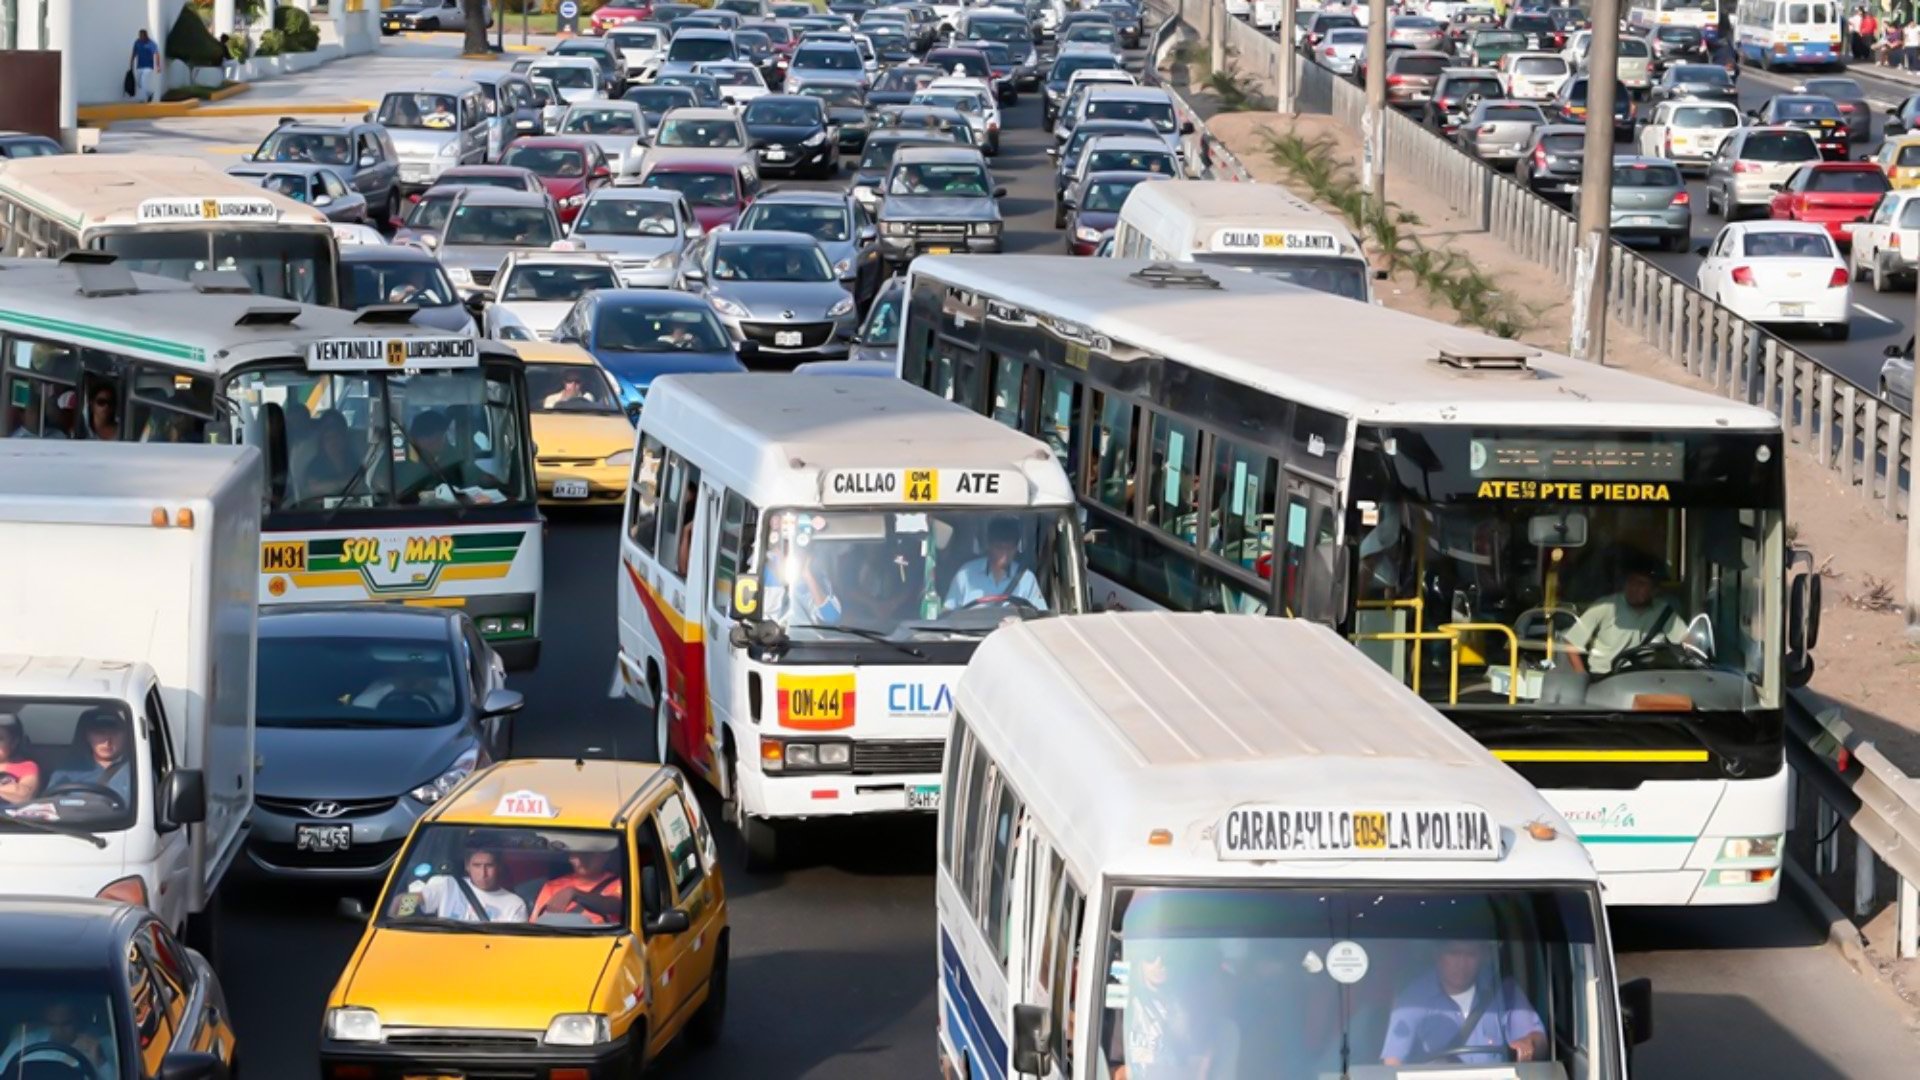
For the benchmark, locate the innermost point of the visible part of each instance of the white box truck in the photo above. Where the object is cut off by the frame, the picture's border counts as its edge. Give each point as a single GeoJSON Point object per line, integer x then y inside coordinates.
{"type": "Point", "coordinates": [126, 670]}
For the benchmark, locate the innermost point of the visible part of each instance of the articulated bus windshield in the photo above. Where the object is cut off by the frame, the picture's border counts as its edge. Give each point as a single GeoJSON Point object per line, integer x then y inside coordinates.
{"type": "Point", "coordinates": [378, 441]}
{"type": "Point", "coordinates": [1627, 574]}
{"type": "Point", "coordinates": [291, 264]}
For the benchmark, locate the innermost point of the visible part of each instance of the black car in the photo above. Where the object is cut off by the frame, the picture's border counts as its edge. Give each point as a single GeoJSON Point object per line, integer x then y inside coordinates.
{"type": "Point", "coordinates": [19, 144]}
{"type": "Point", "coordinates": [1677, 45]}
{"type": "Point", "coordinates": [372, 274]}
{"type": "Point", "coordinates": [1553, 162]}
{"type": "Point", "coordinates": [897, 85]}
{"type": "Point", "coordinates": [1569, 106]}
{"type": "Point", "coordinates": [891, 45]}
{"type": "Point", "coordinates": [1704, 82]}
{"type": "Point", "coordinates": [1068, 159]}
{"type": "Point", "coordinates": [102, 990]}
{"type": "Point", "coordinates": [1541, 31]}
{"type": "Point", "coordinates": [1449, 103]}
{"type": "Point", "coordinates": [1819, 117]}
{"type": "Point", "coordinates": [847, 112]}
{"type": "Point", "coordinates": [790, 134]}
{"type": "Point", "coordinates": [656, 100]}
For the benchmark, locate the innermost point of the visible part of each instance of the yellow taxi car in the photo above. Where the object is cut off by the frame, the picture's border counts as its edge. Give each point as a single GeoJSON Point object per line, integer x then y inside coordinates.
{"type": "Point", "coordinates": [583, 440]}
{"type": "Point", "coordinates": [557, 920]}
{"type": "Point", "coordinates": [1899, 158]}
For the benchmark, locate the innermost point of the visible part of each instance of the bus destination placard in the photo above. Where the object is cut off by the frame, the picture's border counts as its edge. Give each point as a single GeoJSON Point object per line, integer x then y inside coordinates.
{"type": "Point", "coordinates": [1263, 832]}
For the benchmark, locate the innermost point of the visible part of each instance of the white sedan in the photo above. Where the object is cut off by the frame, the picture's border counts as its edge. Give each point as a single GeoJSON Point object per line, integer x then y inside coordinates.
{"type": "Point", "coordinates": [1778, 273]}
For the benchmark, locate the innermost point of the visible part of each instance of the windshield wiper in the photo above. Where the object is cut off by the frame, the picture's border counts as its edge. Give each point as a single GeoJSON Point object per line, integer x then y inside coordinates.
{"type": "Point", "coordinates": [56, 827]}
{"type": "Point", "coordinates": [864, 634]}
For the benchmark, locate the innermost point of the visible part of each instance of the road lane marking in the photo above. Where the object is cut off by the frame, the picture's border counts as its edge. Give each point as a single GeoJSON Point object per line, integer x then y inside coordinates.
{"type": "Point", "coordinates": [1874, 315]}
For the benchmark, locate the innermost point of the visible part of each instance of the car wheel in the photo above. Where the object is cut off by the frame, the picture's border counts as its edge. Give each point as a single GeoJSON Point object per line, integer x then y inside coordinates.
{"type": "Point", "coordinates": [756, 835]}
{"type": "Point", "coordinates": [1678, 242]}
{"type": "Point", "coordinates": [1839, 331]}
{"type": "Point", "coordinates": [1882, 280]}
{"type": "Point", "coordinates": [1713, 204]}
{"type": "Point", "coordinates": [704, 1028]}
{"type": "Point", "coordinates": [430, 25]}
{"type": "Point", "coordinates": [1059, 218]}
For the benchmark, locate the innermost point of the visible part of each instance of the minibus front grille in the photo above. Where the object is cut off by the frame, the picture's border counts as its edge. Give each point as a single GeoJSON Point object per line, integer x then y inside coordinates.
{"type": "Point", "coordinates": [888, 757]}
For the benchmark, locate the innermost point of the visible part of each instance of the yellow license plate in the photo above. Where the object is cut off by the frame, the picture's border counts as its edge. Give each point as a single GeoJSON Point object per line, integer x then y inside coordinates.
{"type": "Point", "coordinates": [816, 702]}
{"type": "Point", "coordinates": [1370, 830]}
{"type": "Point", "coordinates": [939, 251]}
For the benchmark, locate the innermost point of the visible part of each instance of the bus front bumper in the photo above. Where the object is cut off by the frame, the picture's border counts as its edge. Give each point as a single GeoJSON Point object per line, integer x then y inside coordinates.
{"type": "Point", "coordinates": [829, 794]}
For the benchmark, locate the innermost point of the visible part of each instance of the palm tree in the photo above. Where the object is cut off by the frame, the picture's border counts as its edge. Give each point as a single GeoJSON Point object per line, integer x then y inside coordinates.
{"type": "Point", "coordinates": [476, 25]}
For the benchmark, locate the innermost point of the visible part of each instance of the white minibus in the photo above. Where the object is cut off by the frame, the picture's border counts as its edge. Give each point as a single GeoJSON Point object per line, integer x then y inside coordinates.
{"type": "Point", "coordinates": [1259, 227]}
{"type": "Point", "coordinates": [1203, 845]}
{"type": "Point", "coordinates": [806, 564]}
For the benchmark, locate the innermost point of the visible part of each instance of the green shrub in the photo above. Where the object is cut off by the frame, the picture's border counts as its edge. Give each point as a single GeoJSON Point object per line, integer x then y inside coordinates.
{"type": "Point", "coordinates": [191, 43]}
{"type": "Point", "coordinates": [239, 47]}
{"type": "Point", "coordinates": [297, 32]}
{"type": "Point", "coordinates": [271, 44]}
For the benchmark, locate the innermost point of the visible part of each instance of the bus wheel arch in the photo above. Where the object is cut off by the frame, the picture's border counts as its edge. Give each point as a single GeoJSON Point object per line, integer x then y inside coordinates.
{"type": "Point", "coordinates": [757, 835]}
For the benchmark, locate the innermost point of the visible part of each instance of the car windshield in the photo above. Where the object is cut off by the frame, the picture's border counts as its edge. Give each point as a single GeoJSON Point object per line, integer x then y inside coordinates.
{"type": "Point", "coordinates": [1564, 142]}
{"type": "Point", "coordinates": [1347, 36]}
{"type": "Point", "coordinates": [1540, 65]}
{"type": "Point", "coordinates": [1701, 75]}
{"type": "Point", "coordinates": [1468, 86]}
{"type": "Point", "coordinates": [656, 100]}
{"type": "Point", "coordinates": [431, 211]}
{"type": "Point", "coordinates": [1334, 275]}
{"type": "Point", "coordinates": [1100, 33]}
{"type": "Point", "coordinates": [408, 112]}
{"type": "Point", "coordinates": [1700, 116]}
{"type": "Point", "coordinates": [554, 388]}
{"type": "Point", "coordinates": [883, 318]}
{"type": "Point", "coordinates": [784, 112]}
{"type": "Point", "coordinates": [1411, 64]}
{"type": "Point", "coordinates": [735, 76]}
{"type": "Point", "coordinates": [1681, 35]}
{"type": "Point", "coordinates": [600, 122]}
{"type": "Point", "coordinates": [557, 161]}
{"type": "Point", "coordinates": [45, 1014]}
{"type": "Point", "coordinates": [878, 155]}
{"type": "Point", "coordinates": [705, 90]}
{"type": "Point", "coordinates": [697, 49]}
{"type": "Point", "coordinates": [1064, 67]}
{"type": "Point", "coordinates": [1329, 22]}
{"type": "Point", "coordinates": [379, 440]}
{"type": "Point", "coordinates": [1836, 88]}
{"type": "Point", "coordinates": [520, 879]}
{"type": "Point", "coordinates": [1008, 31]}
{"type": "Point", "coordinates": [962, 179]}
{"type": "Point", "coordinates": [828, 224]}
{"type": "Point", "coordinates": [701, 134]}
{"type": "Point", "coordinates": [968, 64]}
{"type": "Point", "coordinates": [568, 76]}
{"type": "Point", "coordinates": [906, 78]}
{"type": "Point", "coordinates": [1157, 113]}
{"type": "Point", "coordinates": [614, 216]}
{"type": "Point", "coordinates": [293, 264]}
{"type": "Point", "coordinates": [1525, 113]}
{"type": "Point", "coordinates": [837, 574]}
{"type": "Point", "coordinates": [835, 58]}
{"type": "Point", "coordinates": [503, 181]}
{"type": "Point", "coordinates": [751, 261]}
{"type": "Point", "coordinates": [647, 329]}
{"type": "Point", "coordinates": [1870, 181]}
{"type": "Point", "coordinates": [323, 149]}
{"type": "Point", "coordinates": [959, 101]}
{"type": "Point", "coordinates": [553, 283]}
{"type": "Point", "coordinates": [699, 188]}
{"type": "Point", "coordinates": [1323, 981]}
{"type": "Point", "coordinates": [68, 765]}
{"type": "Point", "coordinates": [1531, 24]}
{"type": "Point", "coordinates": [1645, 176]}
{"type": "Point", "coordinates": [1102, 160]}
{"type": "Point", "coordinates": [1779, 146]}
{"type": "Point", "coordinates": [403, 281]}
{"type": "Point", "coordinates": [637, 40]}
{"type": "Point", "coordinates": [1786, 245]}
{"type": "Point", "coordinates": [360, 681]}
{"type": "Point", "coordinates": [1806, 109]}
{"type": "Point", "coordinates": [1106, 196]}
{"type": "Point", "coordinates": [835, 95]}
{"type": "Point", "coordinates": [1495, 39]}
{"type": "Point", "coordinates": [500, 226]}
{"type": "Point", "coordinates": [292, 185]}
{"type": "Point", "coordinates": [1632, 48]}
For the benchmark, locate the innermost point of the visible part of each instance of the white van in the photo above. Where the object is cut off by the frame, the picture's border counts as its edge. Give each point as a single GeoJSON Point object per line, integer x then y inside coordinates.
{"type": "Point", "coordinates": [137, 618]}
{"type": "Point", "coordinates": [1246, 828]}
{"type": "Point", "coordinates": [1259, 227]}
{"type": "Point", "coordinates": [806, 564]}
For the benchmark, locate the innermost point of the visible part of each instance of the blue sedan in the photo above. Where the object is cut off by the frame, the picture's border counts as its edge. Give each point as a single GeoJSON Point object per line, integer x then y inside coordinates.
{"type": "Point", "coordinates": [641, 334]}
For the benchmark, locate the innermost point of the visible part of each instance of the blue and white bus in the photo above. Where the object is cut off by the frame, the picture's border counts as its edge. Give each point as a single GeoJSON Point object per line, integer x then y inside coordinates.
{"type": "Point", "coordinates": [1789, 33]}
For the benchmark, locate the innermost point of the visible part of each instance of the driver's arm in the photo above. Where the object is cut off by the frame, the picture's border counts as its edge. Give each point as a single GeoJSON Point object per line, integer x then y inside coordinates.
{"type": "Point", "coordinates": [1028, 589]}
{"type": "Point", "coordinates": [958, 588]}
{"type": "Point", "coordinates": [1401, 1025]}
{"type": "Point", "coordinates": [1581, 636]}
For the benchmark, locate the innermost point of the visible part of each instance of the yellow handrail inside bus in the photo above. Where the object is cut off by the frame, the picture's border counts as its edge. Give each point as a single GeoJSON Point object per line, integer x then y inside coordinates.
{"type": "Point", "coordinates": [1513, 656]}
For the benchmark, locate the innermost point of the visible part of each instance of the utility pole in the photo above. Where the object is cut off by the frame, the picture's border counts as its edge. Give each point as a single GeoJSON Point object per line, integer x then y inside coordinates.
{"type": "Point", "coordinates": [1373, 128]}
{"type": "Point", "coordinates": [1596, 188]}
{"type": "Point", "coordinates": [1286, 90]}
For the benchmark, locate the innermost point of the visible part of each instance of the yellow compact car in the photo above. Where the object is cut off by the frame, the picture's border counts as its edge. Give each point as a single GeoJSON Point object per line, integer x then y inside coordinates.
{"type": "Point", "coordinates": [559, 920]}
{"type": "Point", "coordinates": [583, 440]}
{"type": "Point", "coordinates": [1899, 158]}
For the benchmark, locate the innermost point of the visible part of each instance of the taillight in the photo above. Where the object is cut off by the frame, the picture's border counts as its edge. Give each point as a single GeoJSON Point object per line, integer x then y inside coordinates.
{"type": "Point", "coordinates": [1840, 279]}
{"type": "Point", "coordinates": [1669, 144]}
{"type": "Point", "coordinates": [1540, 157]}
{"type": "Point", "coordinates": [1396, 80]}
{"type": "Point", "coordinates": [1329, 50]}
{"type": "Point", "coordinates": [1680, 199]}
{"type": "Point", "coordinates": [1742, 275]}
{"type": "Point", "coordinates": [1486, 129]}
{"type": "Point", "coordinates": [1745, 166]}
{"type": "Point", "coordinates": [127, 890]}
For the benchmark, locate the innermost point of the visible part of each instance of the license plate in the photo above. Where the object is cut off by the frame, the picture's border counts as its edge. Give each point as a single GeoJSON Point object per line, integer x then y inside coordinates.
{"type": "Point", "coordinates": [786, 337]}
{"type": "Point", "coordinates": [776, 155]}
{"type": "Point", "coordinates": [1793, 309]}
{"type": "Point", "coordinates": [1641, 221]}
{"type": "Point", "coordinates": [569, 489]}
{"type": "Point", "coordinates": [322, 839]}
{"type": "Point", "coordinates": [939, 251]}
{"type": "Point", "coordinates": [923, 797]}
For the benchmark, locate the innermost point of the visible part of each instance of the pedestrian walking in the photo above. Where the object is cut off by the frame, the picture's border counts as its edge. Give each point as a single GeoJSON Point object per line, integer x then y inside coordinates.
{"type": "Point", "coordinates": [146, 68]}
{"type": "Point", "coordinates": [1910, 45]}
{"type": "Point", "coordinates": [1855, 28]}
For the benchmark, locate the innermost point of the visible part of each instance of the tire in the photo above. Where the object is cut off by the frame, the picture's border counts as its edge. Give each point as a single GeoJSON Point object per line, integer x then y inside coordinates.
{"type": "Point", "coordinates": [1713, 205]}
{"type": "Point", "coordinates": [1882, 280]}
{"type": "Point", "coordinates": [1678, 243]}
{"type": "Point", "coordinates": [757, 837]}
{"type": "Point", "coordinates": [637, 1065]}
{"type": "Point", "coordinates": [431, 26]}
{"type": "Point", "coordinates": [203, 931]}
{"type": "Point", "coordinates": [1839, 331]}
{"type": "Point", "coordinates": [705, 1026]}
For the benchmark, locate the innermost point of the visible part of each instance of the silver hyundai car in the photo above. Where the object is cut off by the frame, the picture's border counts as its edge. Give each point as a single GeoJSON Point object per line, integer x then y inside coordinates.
{"type": "Point", "coordinates": [777, 293]}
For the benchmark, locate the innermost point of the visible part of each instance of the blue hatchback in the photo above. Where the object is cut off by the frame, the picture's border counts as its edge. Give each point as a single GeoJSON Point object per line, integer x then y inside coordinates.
{"type": "Point", "coordinates": [642, 334]}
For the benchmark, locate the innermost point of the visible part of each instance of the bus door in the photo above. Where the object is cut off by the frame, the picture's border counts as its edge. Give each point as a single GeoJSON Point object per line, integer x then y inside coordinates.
{"type": "Point", "coordinates": [728, 523]}
{"type": "Point", "coordinates": [1312, 567]}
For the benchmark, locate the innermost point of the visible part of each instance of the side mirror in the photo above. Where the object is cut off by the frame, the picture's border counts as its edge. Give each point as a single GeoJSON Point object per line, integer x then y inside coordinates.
{"type": "Point", "coordinates": [185, 799]}
{"type": "Point", "coordinates": [414, 198]}
{"type": "Point", "coordinates": [368, 161]}
{"type": "Point", "coordinates": [250, 157]}
{"type": "Point", "coordinates": [1776, 187]}
{"type": "Point", "coordinates": [476, 301]}
{"type": "Point", "coordinates": [1895, 127]}
{"type": "Point", "coordinates": [1186, 127]}
{"type": "Point", "coordinates": [1702, 250]}
{"type": "Point", "coordinates": [501, 702]}
{"type": "Point", "coordinates": [1053, 151]}
{"type": "Point", "coordinates": [351, 907]}
{"type": "Point", "coordinates": [633, 411]}
{"type": "Point", "coordinates": [191, 1065]}
{"type": "Point", "coordinates": [1803, 615]}
{"type": "Point", "coordinates": [602, 172]}
{"type": "Point", "coordinates": [1032, 1038]}
{"type": "Point", "coordinates": [430, 241]}
{"type": "Point", "coordinates": [323, 200]}
{"type": "Point", "coordinates": [693, 274]}
{"type": "Point", "coordinates": [867, 234]}
{"type": "Point", "coordinates": [1636, 1010]}
{"type": "Point", "coordinates": [1893, 352]}
{"type": "Point", "coordinates": [1000, 193]}
{"type": "Point", "coordinates": [673, 921]}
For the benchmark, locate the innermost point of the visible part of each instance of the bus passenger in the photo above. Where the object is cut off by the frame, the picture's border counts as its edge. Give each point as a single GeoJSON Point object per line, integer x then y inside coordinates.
{"type": "Point", "coordinates": [103, 412]}
{"type": "Point", "coordinates": [19, 774]}
{"type": "Point", "coordinates": [1453, 1006]}
{"type": "Point", "coordinates": [997, 576]}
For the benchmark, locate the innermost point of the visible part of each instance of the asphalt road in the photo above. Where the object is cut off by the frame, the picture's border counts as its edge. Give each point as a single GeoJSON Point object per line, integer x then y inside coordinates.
{"type": "Point", "coordinates": [834, 958]}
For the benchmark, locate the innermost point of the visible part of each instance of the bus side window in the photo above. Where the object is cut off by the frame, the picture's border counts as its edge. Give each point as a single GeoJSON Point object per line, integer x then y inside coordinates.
{"type": "Point", "coordinates": [1069, 910]}
{"type": "Point", "coordinates": [1012, 386]}
{"type": "Point", "coordinates": [738, 520]}
{"type": "Point", "coordinates": [980, 782]}
{"type": "Point", "coordinates": [1308, 575]}
{"type": "Point", "coordinates": [42, 395]}
{"type": "Point", "coordinates": [960, 754]}
{"type": "Point", "coordinates": [644, 514]}
{"type": "Point", "coordinates": [1006, 818]}
{"type": "Point", "coordinates": [1113, 440]}
{"type": "Point", "coordinates": [1173, 487]}
{"type": "Point", "coordinates": [1240, 527]}
{"type": "Point", "coordinates": [678, 501]}
{"type": "Point", "coordinates": [1060, 423]}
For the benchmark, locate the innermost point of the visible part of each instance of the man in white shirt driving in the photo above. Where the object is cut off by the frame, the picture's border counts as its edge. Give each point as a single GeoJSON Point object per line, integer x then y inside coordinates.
{"type": "Point", "coordinates": [444, 896]}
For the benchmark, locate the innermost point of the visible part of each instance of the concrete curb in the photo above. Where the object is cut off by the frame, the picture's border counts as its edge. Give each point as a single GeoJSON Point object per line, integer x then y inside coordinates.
{"type": "Point", "coordinates": [290, 108]}
{"type": "Point", "coordinates": [1842, 935]}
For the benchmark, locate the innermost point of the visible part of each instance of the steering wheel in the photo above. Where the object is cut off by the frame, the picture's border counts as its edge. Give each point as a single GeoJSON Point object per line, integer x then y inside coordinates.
{"type": "Point", "coordinates": [57, 1054]}
{"type": "Point", "coordinates": [1502, 1051]}
{"type": "Point", "coordinates": [1026, 607]}
{"type": "Point", "coordinates": [407, 701]}
{"type": "Point", "coordinates": [1656, 654]}
{"type": "Point", "coordinates": [119, 801]}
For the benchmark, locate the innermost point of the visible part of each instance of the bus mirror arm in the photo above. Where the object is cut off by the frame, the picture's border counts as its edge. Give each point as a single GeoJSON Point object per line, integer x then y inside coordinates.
{"type": "Point", "coordinates": [1032, 1034]}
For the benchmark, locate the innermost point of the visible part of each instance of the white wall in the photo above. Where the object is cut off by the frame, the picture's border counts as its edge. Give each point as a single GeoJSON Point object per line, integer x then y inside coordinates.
{"type": "Point", "coordinates": [103, 40]}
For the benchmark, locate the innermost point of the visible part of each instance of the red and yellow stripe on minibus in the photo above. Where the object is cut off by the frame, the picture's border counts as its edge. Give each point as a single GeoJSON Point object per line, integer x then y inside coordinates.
{"type": "Point", "coordinates": [683, 649]}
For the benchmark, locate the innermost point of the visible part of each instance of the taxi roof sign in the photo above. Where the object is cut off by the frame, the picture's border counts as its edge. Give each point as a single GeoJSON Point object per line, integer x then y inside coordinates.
{"type": "Point", "coordinates": [1278, 241]}
{"type": "Point", "coordinates": [963, 487]}
{"type": "Point", "coordinates": [525, 803]}
{"type": "Point", "coordinates": [223, 208]}
{"type": "Point", "coordinates": [392, 354]}
{"type": "Point", "coordinates": [1263, 832]}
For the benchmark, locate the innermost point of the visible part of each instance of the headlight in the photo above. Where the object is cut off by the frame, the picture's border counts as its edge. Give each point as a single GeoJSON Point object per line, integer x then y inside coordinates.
{"type": "Point", "coordinates": [460, 275]}
{"type": "Point", "coordinates": [1751, 847]}
{"type": "Point", "coordinates": [620, 457]}
{"type": "Point", "coordinates": [818, 138]}
{"type": "Point", "coordinates": [352, 1024]}
{"type": "Point", "coordinates": [802, 755]}
{"type": "Point", "coordinates": [573, 200]}
{"type": "Point", "coordinates": [433, 792]}
{"type": "Point", "coordinates": [523, 125]}
{"type": "Point", "coordinates": [985, 228]}
{"type": "Point", "coordinates": [843, 266]}
{"type": "Point", "coordinates": [836, 755]}
{"type": "Point", "coordinates": [726, 307]}
{"type": "Point", "coordinates": [578, 1029]}
{"type": "Point", "coordinates": [1091, 236]}
{"type": "Point", "coordinates": [897, 228]}
{"type": "Point", "coordinates": [661, 262]}
{"type": "Point", "coordinates": [840, 308]}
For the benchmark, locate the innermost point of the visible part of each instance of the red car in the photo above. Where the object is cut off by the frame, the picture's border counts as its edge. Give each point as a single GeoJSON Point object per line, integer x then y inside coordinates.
{"type": "Point", "coordinates": [717, 191]}
{"type": "Point", "coordinates": [568, 168]}
{"type": "Point", "coordinates": [1830, 193]}
{"type": "Point", "coordinates": [613, 15]}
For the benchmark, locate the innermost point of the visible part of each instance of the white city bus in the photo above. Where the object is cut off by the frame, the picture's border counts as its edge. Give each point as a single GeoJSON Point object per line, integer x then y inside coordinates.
{"type": "Point", "coordinates": [1263, 228]}
{"type": "Point", "coordinates": [400, 466]}
{"type": "Point", "coordinates": [1204, 845]}
{"type": "Point", "coordinates": [1789, 33]}
{"type": "Point", "coordinates": [1647, 15]}
{"type": "Point", "coordinates": [1465, 508]}
{"type": "Point", "coordinates": [173, 216]}
{"type": "Point", "coordinates": [806, 564]}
